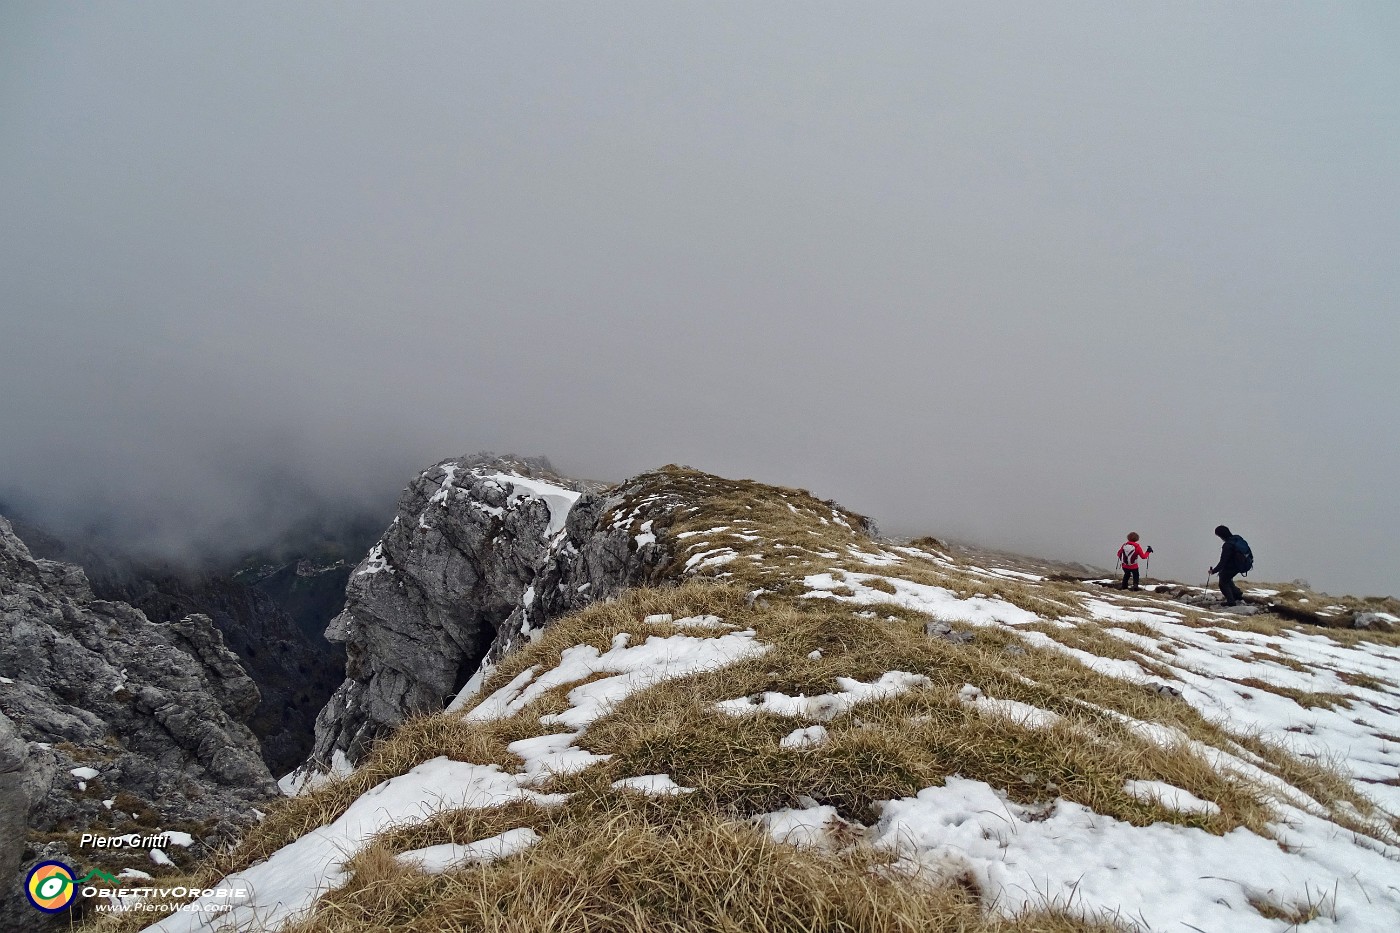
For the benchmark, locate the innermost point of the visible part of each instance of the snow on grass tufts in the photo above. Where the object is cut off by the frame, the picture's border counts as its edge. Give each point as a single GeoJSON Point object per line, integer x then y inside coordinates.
{"type": "Point", "coordinates": [637, 667]}
{"type": "Point", "coordinates": [1023, 714]}
{"type": "Point", "coordinates": [808, 827]}
{"type": "Point", "coordinates": [804, 738]}
{"type": "Point", "coordinates": [827, 706]}
{"type": "Point", "coordinates": [653, 784]}
{"type": "Point", "coordinates": [936, 601]}
{"type": "Point", "coordinates": [1170, 796]}
{"type": "Point", "coordinates": [440, 858]}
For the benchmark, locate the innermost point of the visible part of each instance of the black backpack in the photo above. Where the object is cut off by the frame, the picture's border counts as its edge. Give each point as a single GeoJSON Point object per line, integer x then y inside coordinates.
{"type": "Point", "coordinates": [1244, 557]}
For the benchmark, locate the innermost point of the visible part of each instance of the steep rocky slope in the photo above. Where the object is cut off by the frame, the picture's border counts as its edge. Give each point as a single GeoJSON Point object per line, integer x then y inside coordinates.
{"type": "Point", "coordinates": [295, 672]}
{"type": "Point", "coordinates": [483, 551]}
{"type": "Point", "coordinates": [270, 607]}
{"type": "Point", "coordinates": [800, 726]}
{"type": "Point", "coordinates": [110, 722]}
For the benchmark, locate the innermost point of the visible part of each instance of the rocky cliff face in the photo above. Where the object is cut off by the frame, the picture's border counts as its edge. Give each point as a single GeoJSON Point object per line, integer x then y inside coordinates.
{"type": "Point", "coordinates": [112, 723]}
{"type": "Point", "coordinates": [294, 673]}
{"type": "Point", "coordinates": [271, 612]}
{"type": "Point", "coordinates": [483, 552]}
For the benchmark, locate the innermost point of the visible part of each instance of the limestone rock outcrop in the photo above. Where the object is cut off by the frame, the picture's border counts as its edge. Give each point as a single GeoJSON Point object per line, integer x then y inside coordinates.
{"type": "Point", "coordinates": [484, 550]}
{"type": "Point", "coordinates": [110, 722]}
{"type": "Point", "coordinates": [294, 673]}
{"type": "Point", "coordinates": [271, 609]}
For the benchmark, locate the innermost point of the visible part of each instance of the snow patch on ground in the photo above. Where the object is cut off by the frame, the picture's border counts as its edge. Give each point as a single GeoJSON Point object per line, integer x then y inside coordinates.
{"type": "Point", "coordinates": [637, 667]}
{"type": "Point", "coordinates": [805, 738]}
{"type": "Point", "coordinates": [809, 827]}
{"type": "Point", "coordinates": [1164, 876]}
{"type": "Point", "coordinates": [708, 531]}
{"type": "Point", "coordinates": [503, 702]}
{"type": "Point", "coordinates": [289, 881]}
{"type": "Point", "coordinates": [931, 600]}
{"type": "Point", "coordinates": [653, 784]}
{"type": "Point", "coordinates": [1170, 796]}
{"type": "Point", "coordinates": [559, 499]}
{"type": "Point", "coordinates": [440, 858]}
{"type": "Point", "coordinates": [1023, 714]}
{"type": "Point", "coordinates": [548, 755]}
{"type": "Point", "coordinates": [878, 559]}
{"type": "Point", "coordinates": [827, 706]}
{"type": "Point", "coordinates": [304, 780]}
{"type": "Point", "coordinates": [711, 558]}
{"type": "Point", "coordinates": [703, 622]}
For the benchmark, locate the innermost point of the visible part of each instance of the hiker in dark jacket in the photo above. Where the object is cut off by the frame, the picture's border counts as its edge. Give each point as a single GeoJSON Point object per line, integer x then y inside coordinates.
{"type": "Point", "coordinates": [1230, 565]}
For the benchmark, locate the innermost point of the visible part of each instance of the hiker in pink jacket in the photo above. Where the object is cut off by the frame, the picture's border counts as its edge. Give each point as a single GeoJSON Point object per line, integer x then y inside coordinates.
{"type": "Point", "coordinates": [1128, 556]}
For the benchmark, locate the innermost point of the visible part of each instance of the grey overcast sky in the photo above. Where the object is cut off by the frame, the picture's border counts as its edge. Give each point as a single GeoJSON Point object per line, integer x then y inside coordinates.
{"type": "Point", "coordinates": [1031, 274]}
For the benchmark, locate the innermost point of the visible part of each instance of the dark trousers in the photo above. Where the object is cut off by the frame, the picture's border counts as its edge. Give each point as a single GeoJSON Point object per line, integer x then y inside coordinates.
{"type": "Point", "coordinates": [1129, 572]}
{"type": "Point", "coordinates": [1228, 589]}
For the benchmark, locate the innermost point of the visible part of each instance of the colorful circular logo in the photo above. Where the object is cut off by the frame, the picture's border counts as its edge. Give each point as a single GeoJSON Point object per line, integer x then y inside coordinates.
{"type": "Point", "coordinates": [50, 887]}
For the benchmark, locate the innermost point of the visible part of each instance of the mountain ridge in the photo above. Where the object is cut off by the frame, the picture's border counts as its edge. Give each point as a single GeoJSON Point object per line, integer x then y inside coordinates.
{"type": "Point", "coordinates": [626, 761]}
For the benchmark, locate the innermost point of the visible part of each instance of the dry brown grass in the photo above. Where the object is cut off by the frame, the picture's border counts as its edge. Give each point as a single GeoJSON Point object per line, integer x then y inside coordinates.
{"type": "Point", "coordinates": [1304, 698]}
{"type": "Point", "coordinates": [1365, 681]}
{"type": "Point", "coordinates": [416, 741]}
{"type": "Point", "coordinates": [1091, 637]}
{"type": "Point", "coordinates": [1295, 913]}
{"type": "Point", "coordinates": [895, 747]}
{"type": "Point", "coordinates": [1276, 657]}
{"type": "Point", "coordinates": [624, 871]}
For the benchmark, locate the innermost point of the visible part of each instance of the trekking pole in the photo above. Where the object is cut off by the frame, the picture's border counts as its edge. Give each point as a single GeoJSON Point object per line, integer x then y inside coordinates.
{"type": "Point", "coordinates": [1208, 576]}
